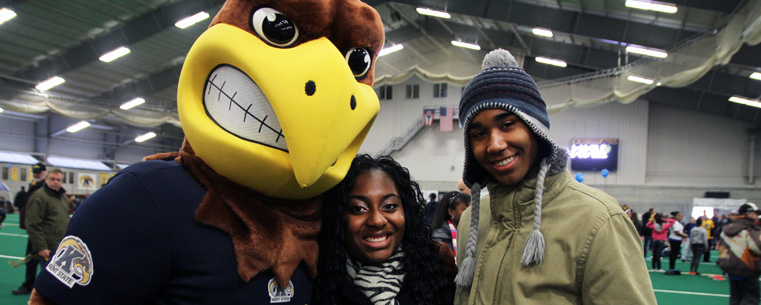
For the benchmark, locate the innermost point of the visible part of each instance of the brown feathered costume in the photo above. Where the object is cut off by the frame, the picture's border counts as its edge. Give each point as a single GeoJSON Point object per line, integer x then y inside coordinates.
{"type": "Point", "coordinates": [275, 98]}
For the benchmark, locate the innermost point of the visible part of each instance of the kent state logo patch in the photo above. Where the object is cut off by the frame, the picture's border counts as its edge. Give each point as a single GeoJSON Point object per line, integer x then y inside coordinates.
{"type": "Point", "coordinates": [278, 294]}
{"type": "Point", "coordinates": [72, 262]}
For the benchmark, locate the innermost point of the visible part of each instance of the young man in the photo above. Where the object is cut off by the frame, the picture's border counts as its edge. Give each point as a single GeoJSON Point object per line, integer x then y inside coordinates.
{"type": "Point", "coordinates": [739, 250]}
{"type": "Point", "coordinates": [540, 237]}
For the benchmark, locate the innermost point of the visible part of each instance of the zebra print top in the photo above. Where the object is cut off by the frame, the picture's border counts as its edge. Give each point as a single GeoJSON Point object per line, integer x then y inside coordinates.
{"type": "Point", "coordinates": [380, 284]}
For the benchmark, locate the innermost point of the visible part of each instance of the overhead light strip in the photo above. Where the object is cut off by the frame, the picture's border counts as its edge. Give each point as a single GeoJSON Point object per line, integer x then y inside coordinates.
{"type": "Point", "coordinates": [756, 75]}
{"type": "Point", "coordinates": [78, 126]}
{"type": "Point", "coordinates": [188, 21]}
{"type": "Point", "coordinates": [146, 136]}
{"type": "Point", "coordinates": [745, 101]}
{"type": "Point", "coordinates": [50, 83]}
{"type": "Point", "coordinates": [6, 14]}
{"type": "Point", "coordinates": [641, 80]}
{"type": "Point", "coordinates": [466, 45]}
{"type": "Point", "coordinates": [132, 103]}
{"type": "Point", "coordinates": [663, 7]}
{"type": "Point", "coordinates": [551, 61]}
{"type": "Point", "coordinates": [391, 49]}
{"type": "Point", "coordinates": [542, 32]}
{"type": "Point", "coordinates": [434, 13]}
{"type": "Point", "coordinates": [114, 54]}
{"type": "Point", "coordinates": [647, 51]}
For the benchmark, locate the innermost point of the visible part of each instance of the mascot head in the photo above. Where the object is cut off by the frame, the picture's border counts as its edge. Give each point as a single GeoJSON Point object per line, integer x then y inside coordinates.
{"type": "Point", "coordinates": [277, 96]}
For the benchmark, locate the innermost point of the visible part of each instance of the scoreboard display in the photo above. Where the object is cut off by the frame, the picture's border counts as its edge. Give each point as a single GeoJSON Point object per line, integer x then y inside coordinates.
{"type": "Point", "coordinates": [594, 154]}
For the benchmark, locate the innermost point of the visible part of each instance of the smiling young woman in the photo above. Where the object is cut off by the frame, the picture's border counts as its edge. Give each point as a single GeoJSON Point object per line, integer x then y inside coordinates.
{"type": "Point", "coordinates": [375, 218]}
{"type": "Point", "coordinates": [375, 246]}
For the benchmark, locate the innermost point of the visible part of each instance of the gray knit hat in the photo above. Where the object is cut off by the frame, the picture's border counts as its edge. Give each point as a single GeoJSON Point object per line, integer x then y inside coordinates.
{"type": "Point", "coordinates": [501, 84]}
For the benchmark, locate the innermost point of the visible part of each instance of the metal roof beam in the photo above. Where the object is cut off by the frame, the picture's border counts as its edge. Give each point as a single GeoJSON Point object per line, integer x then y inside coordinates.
{"type": "Point", "coordinates": [131, 32]}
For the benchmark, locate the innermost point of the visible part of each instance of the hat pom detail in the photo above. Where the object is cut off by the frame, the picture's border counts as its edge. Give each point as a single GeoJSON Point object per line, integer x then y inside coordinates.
{"type": "Point", "coordinates": [499, 58]}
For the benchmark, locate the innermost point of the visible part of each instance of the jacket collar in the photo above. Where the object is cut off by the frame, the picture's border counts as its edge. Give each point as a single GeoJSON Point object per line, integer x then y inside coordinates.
{"type": "Point", "coordinates": [51, 192]}
{"type": "Point", "coordinates": [516, 202]}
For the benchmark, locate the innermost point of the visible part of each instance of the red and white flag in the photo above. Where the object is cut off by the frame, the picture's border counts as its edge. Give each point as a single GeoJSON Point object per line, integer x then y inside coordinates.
{"type": "Point", "coordinates": [428, 117]}
{"type": "Point", "coordinates": [446, 118]}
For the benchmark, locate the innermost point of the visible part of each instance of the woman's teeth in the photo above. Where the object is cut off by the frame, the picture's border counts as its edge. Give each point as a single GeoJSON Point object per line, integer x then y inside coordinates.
{"type": "Point", "coordinates": [504, 162]}
{"type": "Point", "coordinates": [376, 239]}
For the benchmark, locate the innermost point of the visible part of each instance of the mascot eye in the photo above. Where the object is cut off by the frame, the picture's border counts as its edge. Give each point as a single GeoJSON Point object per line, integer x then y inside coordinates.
{"type": "Point", "coordinates": [272, 27]}
{"type": "Point", "coordinates": [359, 61]}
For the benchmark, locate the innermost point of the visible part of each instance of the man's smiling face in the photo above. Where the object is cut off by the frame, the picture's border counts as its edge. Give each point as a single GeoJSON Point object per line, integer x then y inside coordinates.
{"type": "Point", "coordinates": [503, 145]}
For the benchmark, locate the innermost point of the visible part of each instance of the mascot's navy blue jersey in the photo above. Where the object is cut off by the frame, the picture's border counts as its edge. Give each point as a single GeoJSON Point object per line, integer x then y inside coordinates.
{"type": "Point", "coordinates": [135, 241]}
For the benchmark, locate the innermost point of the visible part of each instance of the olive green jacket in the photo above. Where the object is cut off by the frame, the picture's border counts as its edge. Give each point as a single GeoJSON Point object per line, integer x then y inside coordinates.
{"type": "Point", "coordinates": [47, 216]}
{"type": "Point", "coordinates": [593, 254]}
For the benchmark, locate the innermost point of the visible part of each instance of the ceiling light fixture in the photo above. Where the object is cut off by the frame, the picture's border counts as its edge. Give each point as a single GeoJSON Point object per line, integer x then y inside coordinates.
{"type": "Point", "coordinates": [647, 51]}
{"type": "Point", "coordinates": [745, 101]}
{"type": "Point", "coordinates": [50, 83]}
{"type": "Point", "coordinates": [1, 109]}
{"type": "Point", "coordinates": [542, 32]}
{"type": "Point", "coordinates": [434, 13]}
{"type": "Point", "coordinates": [6, 14]}
{"type": "Point", "coordinates": [114, 54]}
{"type": "Point", "coordinates": [756, 75]}
{"type": "Point", "coordinates": [391, 49]}
{"type": "Point", "coordinates": [466, 45]}
{"type": "Point", "coordinates": [132, 103]}
{"type": "Point", "coordinates": [146, 136]}
{"type": "Point", "coordinates": [663, 7]}
{"type": "Point", "coordinates": [188, 21]}
{"type": "Point", "coordinates": [551, 61]}
{"type": "Point", "coordinates": [641, 80]}
{"type": "Point", "coordinates": [78, 126]}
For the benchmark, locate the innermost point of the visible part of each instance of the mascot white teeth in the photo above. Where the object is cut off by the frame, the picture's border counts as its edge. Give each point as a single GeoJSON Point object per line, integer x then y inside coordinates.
{"type": "Point", "coordinates": [275, 99]}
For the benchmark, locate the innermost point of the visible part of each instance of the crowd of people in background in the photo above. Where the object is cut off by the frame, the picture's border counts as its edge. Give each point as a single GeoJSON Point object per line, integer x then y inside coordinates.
{"type": "Point", "coordinates": [671, 234]}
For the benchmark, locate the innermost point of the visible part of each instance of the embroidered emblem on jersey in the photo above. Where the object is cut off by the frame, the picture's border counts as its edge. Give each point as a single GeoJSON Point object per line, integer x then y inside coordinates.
{"type": "Point", "coordinates": [278, 294]}
{"type": "Point", "coordinates": [72, 263]}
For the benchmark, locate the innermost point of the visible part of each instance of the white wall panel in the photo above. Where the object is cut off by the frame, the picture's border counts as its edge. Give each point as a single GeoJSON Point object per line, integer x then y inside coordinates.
{"type": "Point", "coordinates": [627, 122]}
{"type": "Point", "coordinates": [689, 148]}
{"type": "Point", "coordinates": [434, 156]}
{"type": "Point", "coordinates": [17, 135]}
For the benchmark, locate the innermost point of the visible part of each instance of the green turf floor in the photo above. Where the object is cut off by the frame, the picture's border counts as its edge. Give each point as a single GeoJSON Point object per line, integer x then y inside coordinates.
{"type": "Point", "coordinates": [669, 290]}
{"type": "Point", "coordinates": [12, 247]}
{"type": "Point", "coordinates": [690, 289]}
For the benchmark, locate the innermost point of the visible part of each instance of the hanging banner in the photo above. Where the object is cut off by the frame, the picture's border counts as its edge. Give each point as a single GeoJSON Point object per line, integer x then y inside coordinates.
{"type": "Point", "coordinates": [86, 182]}
{"type": "Point", "coordinates": [446, 118]}
{"type": "Point", "coordinates": [104, 177]}
{"type": "Point", "coordinates": [14, 173]}
{"type": "Point", "coordinates": [428, 117]}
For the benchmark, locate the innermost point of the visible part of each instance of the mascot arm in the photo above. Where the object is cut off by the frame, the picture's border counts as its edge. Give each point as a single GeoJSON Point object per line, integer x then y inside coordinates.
{"type": "Point", "coordinates": [115, 246]}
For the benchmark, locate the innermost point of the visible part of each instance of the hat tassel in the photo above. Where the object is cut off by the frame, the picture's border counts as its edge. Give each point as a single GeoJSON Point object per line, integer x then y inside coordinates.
{"type": "Point", "coordinates": [464, 278]}
{"type": "Point", "coordinates": [533, 250]}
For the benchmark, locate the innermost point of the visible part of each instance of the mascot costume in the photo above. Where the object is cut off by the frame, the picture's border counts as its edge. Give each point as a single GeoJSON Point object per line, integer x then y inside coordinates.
{"type": "Point", "coordinates": [275, 99]}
